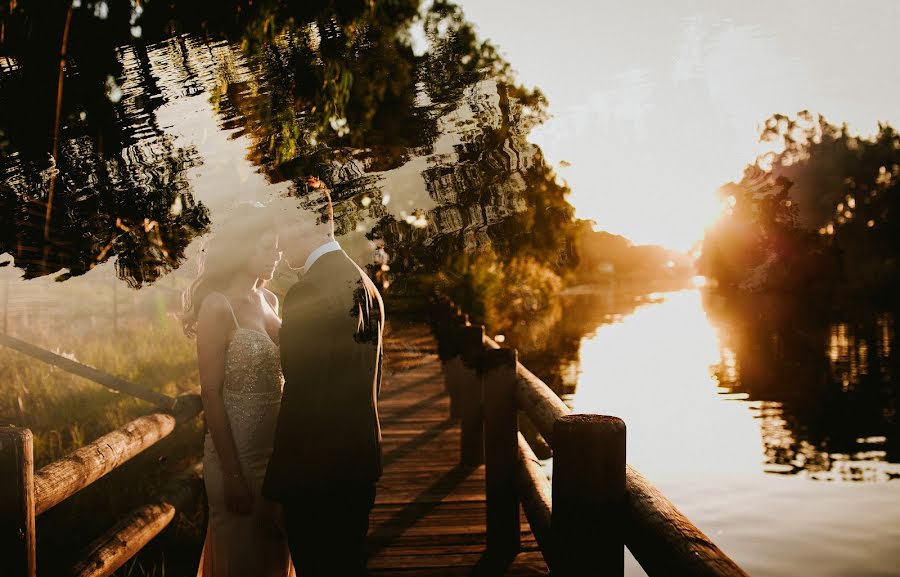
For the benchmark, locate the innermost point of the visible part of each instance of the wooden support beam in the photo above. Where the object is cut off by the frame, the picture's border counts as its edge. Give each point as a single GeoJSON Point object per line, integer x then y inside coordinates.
{"type": "Point", "coordinates": [471, 396]}
{"type": "Point", "coordinates": [536, 399]}
{"type": "Point", "coordinates": [446, 323]}
{"type": "Point", "coordinates": [90, 373]}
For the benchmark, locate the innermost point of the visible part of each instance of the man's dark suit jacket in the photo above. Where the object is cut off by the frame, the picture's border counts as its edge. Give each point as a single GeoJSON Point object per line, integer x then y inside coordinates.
{"type": "Point", "coordinates": [328, 432]}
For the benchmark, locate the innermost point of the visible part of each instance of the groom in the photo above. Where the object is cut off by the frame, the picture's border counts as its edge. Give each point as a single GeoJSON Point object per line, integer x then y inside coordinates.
{"type": "Point", "coordinates": [327, 451]}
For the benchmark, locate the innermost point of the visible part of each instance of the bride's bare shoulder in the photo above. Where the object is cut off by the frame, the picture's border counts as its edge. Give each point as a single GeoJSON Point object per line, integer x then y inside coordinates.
{"type": "Point", "coordinates": [215, 310]}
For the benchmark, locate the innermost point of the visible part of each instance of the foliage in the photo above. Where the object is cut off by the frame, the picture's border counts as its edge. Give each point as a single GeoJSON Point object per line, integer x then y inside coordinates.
{"type": "Point", "coordinates": [134, 206]}
{"type": "Point", "coordinates": [518, 297]}
{"type": "Point", "coordinates": [603, 256]}
{"type": "Point", "coordinates": [326, 88]}
{"type": "Point", "coordinates": [819, 215]}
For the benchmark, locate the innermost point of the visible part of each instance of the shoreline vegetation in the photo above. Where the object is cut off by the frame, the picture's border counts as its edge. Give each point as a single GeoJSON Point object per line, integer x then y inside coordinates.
{"type": "Point", "coordinates": [522, 297]}
{"type": "Point", "coordinates": [818, 219]}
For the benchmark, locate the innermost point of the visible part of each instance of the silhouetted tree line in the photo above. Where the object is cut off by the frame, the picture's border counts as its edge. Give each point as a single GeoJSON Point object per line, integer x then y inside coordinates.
{"type": "Point", "coordinates": [819, 216]}
{"type": "Point", "coordinates": [603, 256]}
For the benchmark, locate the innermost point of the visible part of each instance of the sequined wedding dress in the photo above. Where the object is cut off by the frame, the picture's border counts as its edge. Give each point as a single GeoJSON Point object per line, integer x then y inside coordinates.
{"type": "Point", "coordinates": [240, 545]}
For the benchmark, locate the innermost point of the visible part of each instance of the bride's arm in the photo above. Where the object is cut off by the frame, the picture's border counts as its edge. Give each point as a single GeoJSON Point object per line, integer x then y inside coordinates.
{"type": "Point", "coordinates": [272, 299]}
{"type": "Point", "coordinates": [214, 324]}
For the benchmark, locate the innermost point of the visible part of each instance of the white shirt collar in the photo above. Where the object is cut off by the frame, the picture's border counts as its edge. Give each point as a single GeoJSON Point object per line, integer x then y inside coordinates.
{"type": "Point", "coordinates": [329, 246]}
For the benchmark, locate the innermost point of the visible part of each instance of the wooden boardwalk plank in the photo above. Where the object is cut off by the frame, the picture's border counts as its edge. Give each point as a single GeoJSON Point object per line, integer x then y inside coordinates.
{"type": "Point", "coordinates": [429, 514]}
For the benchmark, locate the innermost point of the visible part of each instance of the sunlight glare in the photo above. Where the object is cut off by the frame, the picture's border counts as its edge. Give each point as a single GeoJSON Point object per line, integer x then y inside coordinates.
{"type": "Point", "coordinates": [674, 391]}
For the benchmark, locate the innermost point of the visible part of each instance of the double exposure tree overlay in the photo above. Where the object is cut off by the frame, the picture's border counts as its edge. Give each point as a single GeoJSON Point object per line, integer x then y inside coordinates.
{"type": "Point", "coordinates": [494, 192]}
{"type": "Point", "coordinates": [821, 215]}
{"type": "Point", "coordinates": [86, 172]}
{"type": "Point", "coordinates": [333, 89]}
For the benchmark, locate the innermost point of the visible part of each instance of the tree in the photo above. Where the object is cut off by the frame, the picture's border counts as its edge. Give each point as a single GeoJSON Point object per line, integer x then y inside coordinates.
{"type": "Point", "coordinates": [325, 88]}
{"type": "Point", "coordinates": [820, 213]}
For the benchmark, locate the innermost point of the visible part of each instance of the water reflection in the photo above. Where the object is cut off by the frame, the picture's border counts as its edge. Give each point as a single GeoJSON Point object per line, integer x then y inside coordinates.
{"type": "Point", "coordinates": [821, 381]}
{"type": "Point", "coordinates": [110, 182]}
{"type": "Point", "coordinates": [424, 147]}
{"type": "Point", "coordinates": [720, 384]}
{"type": "Point", "coordinates": [737, 410]}
{"type": "Point", "coordinates": [652, 369]}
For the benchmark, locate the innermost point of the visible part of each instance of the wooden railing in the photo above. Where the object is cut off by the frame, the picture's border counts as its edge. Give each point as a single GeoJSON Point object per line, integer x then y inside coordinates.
{"type": "Point", "coordinates": [26, 493]}
{"type": "Point", "coordinates": [596, 503]}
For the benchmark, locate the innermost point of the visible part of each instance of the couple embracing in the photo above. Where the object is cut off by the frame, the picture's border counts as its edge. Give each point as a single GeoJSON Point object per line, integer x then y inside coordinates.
{"type": "Point", "coordinates": [293, 444]}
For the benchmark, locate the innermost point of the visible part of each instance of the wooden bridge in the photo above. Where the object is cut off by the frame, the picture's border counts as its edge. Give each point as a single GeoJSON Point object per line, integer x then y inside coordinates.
{"type": "Point", "coordinates": [462, 491]}
{"type": "Point", "coordinates": [429, 515]}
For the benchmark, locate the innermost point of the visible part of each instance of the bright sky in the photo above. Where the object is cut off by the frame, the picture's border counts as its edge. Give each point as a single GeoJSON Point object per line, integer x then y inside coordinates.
{"type": "Point", "coordinates": [656, 104]}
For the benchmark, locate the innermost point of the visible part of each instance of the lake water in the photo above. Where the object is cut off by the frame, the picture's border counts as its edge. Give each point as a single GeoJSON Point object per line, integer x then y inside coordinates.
{"type": "Point", "coordinates": [771, 425]}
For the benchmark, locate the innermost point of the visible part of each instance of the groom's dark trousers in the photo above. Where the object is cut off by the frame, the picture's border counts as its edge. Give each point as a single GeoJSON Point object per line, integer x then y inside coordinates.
{"type": "Point", "coordinates": [327, 530]}
{"type": "Point", "coordinates": [326, 455]}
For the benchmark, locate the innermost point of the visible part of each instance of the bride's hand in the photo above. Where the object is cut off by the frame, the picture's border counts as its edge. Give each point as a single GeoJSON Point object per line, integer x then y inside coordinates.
{"type": "Point", "coordinates": [237, 495]}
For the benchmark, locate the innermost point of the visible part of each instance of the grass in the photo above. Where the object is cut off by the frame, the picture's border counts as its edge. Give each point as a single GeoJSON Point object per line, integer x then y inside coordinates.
{"type": "Point", "coordinates": [133, 335]}
{"type": "Point", "coordinates": [64, 411]}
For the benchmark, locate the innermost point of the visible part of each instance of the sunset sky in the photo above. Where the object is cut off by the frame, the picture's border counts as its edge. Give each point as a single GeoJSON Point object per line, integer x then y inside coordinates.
{"type": "Point", "coordinates": [657, 104]}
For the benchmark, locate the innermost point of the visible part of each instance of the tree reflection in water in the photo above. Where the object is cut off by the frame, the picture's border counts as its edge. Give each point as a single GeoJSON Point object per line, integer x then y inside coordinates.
{"type": "Point", "coordinates": [332, 89]}
{"type": "Point", "coordinates": [821, 382]}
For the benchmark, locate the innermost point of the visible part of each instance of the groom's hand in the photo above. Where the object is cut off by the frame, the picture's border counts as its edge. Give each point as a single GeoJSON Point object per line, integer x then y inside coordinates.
{"type": "Point", "coordinates": [274, 518]}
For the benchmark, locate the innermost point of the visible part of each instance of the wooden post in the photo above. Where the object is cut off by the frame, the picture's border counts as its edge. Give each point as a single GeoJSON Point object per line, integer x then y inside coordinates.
{"type": "Point", "coordinates": [471, 339]}
{"type": "Point", "coordinates": [588, 496]}
{"type": "Point", "coordinates": [445, 325]}
{"type": "Point", "coordinates": [501, 449]}
{"type": "Point", "coordinates": [453, 368]}
{"type": "Point", "coordinates": [17, 542]}
{"type": "Point", "coordinates": [5, 304]}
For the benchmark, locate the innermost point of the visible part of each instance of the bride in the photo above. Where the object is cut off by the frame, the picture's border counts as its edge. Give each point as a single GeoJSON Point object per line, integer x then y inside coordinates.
{"type": "Point", "coordinates": [235, 320]}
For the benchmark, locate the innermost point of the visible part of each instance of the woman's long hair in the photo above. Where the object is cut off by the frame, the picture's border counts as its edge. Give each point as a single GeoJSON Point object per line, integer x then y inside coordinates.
{"type": "Point", "coordinates": [223, 254]}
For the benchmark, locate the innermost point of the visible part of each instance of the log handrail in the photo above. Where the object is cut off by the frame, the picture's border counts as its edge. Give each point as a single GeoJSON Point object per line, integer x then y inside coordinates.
{"type": "Point", "coordinates": [534, 491]}
{"type": "Point", "coordinates": [160, 400]}
{"type": "Point", "coordinates": [68, 475]}
{"type": "Point", "coordinates": [74, 472]}
{"type": "Point", "coordinates": [26, 493]}
{"type": "Point", "coordinates": [661, 538]}
{"type": "Point", "coordinates": [112, 549]}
